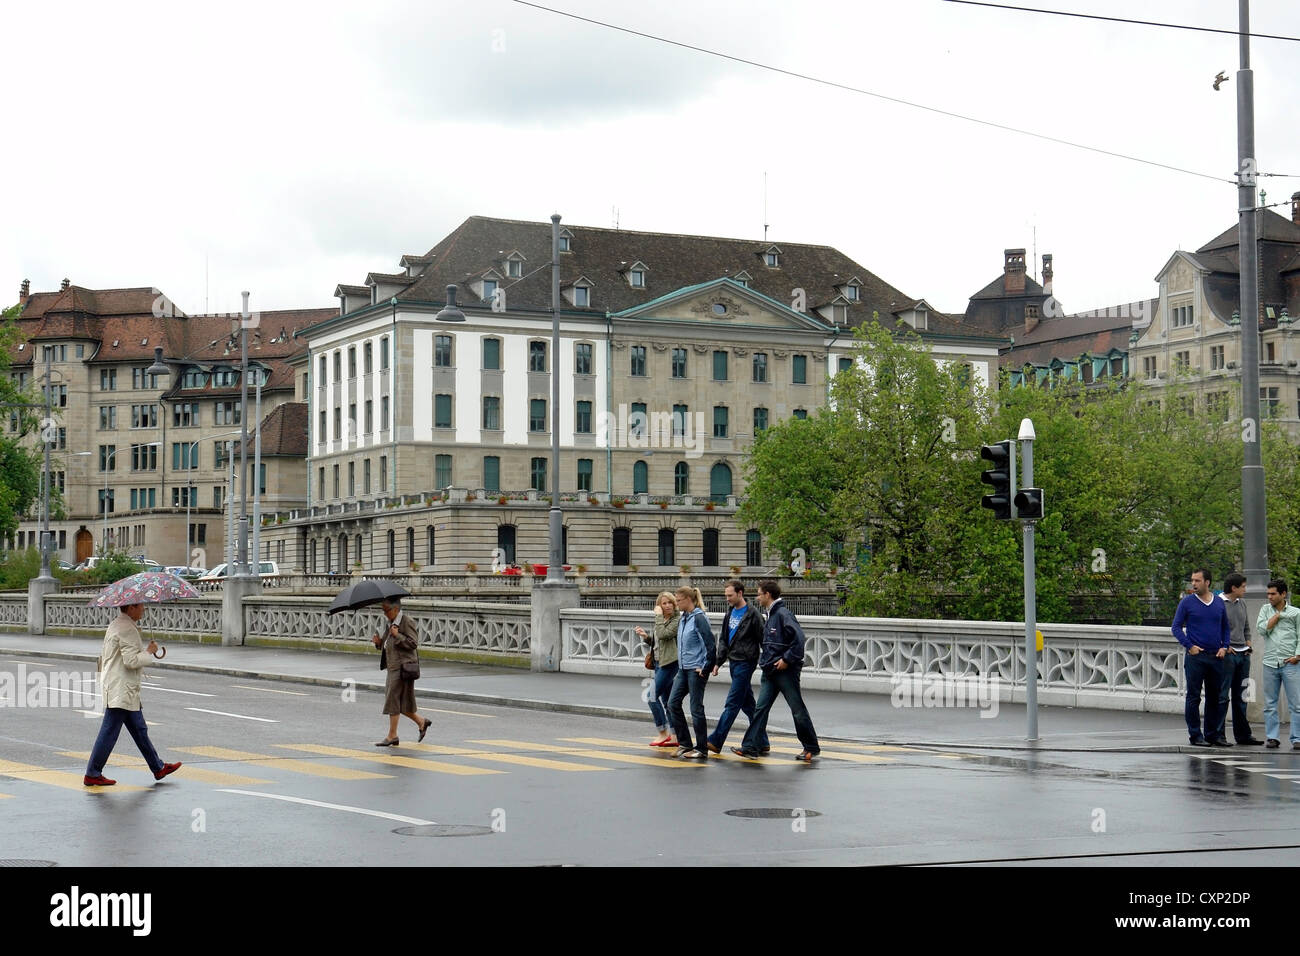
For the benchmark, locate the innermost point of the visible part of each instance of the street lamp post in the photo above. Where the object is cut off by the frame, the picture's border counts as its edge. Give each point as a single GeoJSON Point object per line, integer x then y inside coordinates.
{"type": "Point", "coordinates": [45, 574]}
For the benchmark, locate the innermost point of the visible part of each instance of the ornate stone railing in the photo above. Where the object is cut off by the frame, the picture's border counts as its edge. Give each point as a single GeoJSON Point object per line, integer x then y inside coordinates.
{"type": "Point", "coordinates": [488, 629]}
{"type": "Point", "coordinates": [1123, 668]}
{"type": "Point", "coordinates": [13, 612]}
{"type": "Point", "coordinates": [72, 614]}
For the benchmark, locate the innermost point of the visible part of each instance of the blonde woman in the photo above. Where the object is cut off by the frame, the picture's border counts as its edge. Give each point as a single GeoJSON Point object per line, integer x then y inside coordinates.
{"type": "Point", "coordinates": [696, 655]}
{"type": "Point", "coordinates": [663, 651]}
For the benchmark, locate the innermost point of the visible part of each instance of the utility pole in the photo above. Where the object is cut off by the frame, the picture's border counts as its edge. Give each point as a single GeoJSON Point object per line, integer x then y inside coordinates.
{"type": "Point", "coordinates": [242, 560]}
{"type": "Point", "coordinates": [555, 569]}
{"type": "Point", "coordinates": [1028, 516]}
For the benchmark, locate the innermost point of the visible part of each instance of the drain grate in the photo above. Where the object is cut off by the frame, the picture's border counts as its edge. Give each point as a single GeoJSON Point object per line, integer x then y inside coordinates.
{"type": "Point", "coordinates": [443, 830]}
{"type": "Point", "coordinates": [772, 813]}
{"type": "Point", "coordinates": [27, 863]}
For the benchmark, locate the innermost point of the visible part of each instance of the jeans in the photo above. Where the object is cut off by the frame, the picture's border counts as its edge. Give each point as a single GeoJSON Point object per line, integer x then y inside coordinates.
{"type": "Point", "coordinates": [114, 718]}
{"type": "Point", "coordinates": [1202, 669]}
{"type": "Point", "coordinates": [1236, 671]}
{"type": "Point", "coordinates": [739, 698]}
{"type": "Point", "coordinates": [687, 681]}
{"type": "Point", "coordinates": [1286, 677]}
{"type": "Point", "coordinates": [663, 685]}
{"type": "Point", "coordinates": [786, 683]}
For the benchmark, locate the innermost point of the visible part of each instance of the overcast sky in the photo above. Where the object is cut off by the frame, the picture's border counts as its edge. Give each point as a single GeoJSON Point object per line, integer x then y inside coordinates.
{"type": "Point", "coordinates": [284, 148]}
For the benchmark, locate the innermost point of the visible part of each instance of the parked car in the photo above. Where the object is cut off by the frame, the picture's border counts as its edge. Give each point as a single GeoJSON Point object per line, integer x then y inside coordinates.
{"type": "Point", "coordinates": [183, 572]}
{"type": "Point", "coordinates": [149, 563]}
{"type": "Point", "coordinates": [268, 569]}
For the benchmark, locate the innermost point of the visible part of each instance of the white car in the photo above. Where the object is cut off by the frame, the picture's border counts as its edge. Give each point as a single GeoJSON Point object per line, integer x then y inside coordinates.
{"type": "Point", "coordinates": [268, 569]}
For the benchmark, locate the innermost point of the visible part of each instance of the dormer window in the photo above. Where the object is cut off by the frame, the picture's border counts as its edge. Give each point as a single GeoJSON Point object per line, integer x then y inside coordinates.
{"type": "Point", "coordinates": [636, 278]}
{"type": "Point", "coordinates": [852, 292]}
{"type": "Point", "coordinates": [514, 268]}
{"type": "Point", "coordinates": [566, 241]}
{"type": "Point", "coordinates": [922, 320]}
{"type": "Point", "coordinates": [582, 296]}
{"type": "Point", "coordinates": [742, 278]}
{"type": "Point", "coordinates": [489, 289]}
{"type": "Point", "coordinates": [772, 257]}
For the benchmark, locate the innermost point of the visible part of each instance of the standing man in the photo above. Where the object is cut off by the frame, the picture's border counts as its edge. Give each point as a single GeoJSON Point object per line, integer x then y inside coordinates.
{"type": "Point", "coordinates": [1279, 622]}
{"type": "Point", "coordinates": [121, 661]}
{"type": "Point", "coordinates": [1236, 664]}
{"type": "Point", "coordinates": [1201, 626]}
{"type": "Point", "coordinates": [781, 661]}
{"type": "Point", "coordinates": [738, 645]}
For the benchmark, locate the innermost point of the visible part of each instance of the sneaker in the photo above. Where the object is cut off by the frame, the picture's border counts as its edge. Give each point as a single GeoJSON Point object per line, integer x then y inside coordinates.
{"type": "Point", "coordinates": [167, 768]}
{"type": "Point", "coordinates": [695, 755]}
{"type": "Point", "coordinates": [1272, 744]}
{"type": "Point", "coordinates": [100, 781]}
{"type": "Point", "coordinates": [807, 756]}
{"type": "Point", "coordinates": [682, 751]}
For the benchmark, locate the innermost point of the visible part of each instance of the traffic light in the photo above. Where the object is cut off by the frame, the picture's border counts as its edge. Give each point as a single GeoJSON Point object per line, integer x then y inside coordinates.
{"type": "Point", "coordinates": [1001, 475]}
{"type": "Point", "coordinates": [1029, 503]}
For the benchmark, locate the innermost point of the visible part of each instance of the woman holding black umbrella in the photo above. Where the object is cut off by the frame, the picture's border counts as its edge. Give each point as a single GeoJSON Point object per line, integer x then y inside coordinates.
{"type": "Point", "coordinates": [400, 658]}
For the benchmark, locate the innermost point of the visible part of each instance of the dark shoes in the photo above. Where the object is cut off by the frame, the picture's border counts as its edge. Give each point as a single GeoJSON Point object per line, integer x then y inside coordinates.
{"type": "Point", "coordinates": [167, 768]}
{"type": "Point", "coordinates": [1272, 744]}
{"type": "Point", "coordinates": [714, 748]}
{"type": "Point", "coordinates": [424, 729]}
{"type": "Point", "coordinates": [747, 754]}
{"type": "Point", "coordinates": [1200, 742]}
{"type": "Point", "coordinates": [1220, 742]}
{"type": "Point", "coordinates": [1250, 742]}
{"type": "Point", "coordinates": [388, 742]}
{"type": "Point", "coordinates": [100, 781]}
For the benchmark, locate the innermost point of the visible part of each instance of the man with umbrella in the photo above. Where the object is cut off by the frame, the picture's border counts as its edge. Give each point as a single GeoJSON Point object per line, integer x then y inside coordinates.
{"type": "Point", "coordinates": [121, 662]}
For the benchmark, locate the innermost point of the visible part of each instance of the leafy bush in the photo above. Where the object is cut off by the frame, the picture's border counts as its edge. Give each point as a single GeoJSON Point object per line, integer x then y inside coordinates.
{"type": "Point", "coordinates": [114, 566]}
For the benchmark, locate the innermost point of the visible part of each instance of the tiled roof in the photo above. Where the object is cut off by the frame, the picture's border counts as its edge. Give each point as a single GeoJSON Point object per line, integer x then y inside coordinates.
{"type": "Point", "coordinates": [672, 262]}
{"type": "Point", "coordinates": [996, 289]}
{"type": "Point", "coordinates": [1272, 227]}
{"type": "Point", "coordinates": [284, 431]}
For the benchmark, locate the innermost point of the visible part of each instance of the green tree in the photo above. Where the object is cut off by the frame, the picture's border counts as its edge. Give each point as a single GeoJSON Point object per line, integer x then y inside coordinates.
{"type": "Point", "coordinates": [20, 466]}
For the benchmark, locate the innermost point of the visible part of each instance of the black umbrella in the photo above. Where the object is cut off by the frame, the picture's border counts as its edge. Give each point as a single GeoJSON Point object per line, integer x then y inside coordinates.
{"type": "Point", "coordinates": [365, 593]}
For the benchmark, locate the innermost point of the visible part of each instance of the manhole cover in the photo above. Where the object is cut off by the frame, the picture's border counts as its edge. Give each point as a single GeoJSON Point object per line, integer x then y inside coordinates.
{"type": "Point", "coordinates": [772, 813]}
{"type": "Point", "coordinates": [443, 830]}
{"type": "Point", "coordinates": [27, 863]}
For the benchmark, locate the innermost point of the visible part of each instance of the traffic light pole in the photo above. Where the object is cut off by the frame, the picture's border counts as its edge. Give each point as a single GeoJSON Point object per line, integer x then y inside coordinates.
{"type": "Point", "coordinates": [1031, 596]}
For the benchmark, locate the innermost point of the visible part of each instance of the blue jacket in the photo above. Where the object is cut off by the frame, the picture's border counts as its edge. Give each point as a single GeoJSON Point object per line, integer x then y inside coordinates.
{"type": "Point", "coordinates": [695, 643]}
{"type": "Point", "coordinates": [1205, 626]}
{"type": "Point", "coordinates": [783, 638]}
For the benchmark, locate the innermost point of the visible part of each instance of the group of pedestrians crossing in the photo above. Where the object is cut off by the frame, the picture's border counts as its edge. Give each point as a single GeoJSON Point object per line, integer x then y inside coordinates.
{"type": "Point", "coordinates": [1214, 630]}
{"type": "Point", "coordinates": [684, 654]}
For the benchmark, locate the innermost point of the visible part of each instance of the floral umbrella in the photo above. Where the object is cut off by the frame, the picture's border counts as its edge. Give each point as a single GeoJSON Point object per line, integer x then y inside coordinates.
{"type": "Point", "coordinates": [148, 587]}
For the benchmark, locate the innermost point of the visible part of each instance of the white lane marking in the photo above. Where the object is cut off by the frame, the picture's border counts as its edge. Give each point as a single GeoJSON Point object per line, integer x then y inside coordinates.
{"type": "Point", "coordinates": [269, 690]}
{"type": "Point", "coordinates": [222, 713]}
{"type": "Point", "coordinates": [15, 660]}
{"type": "Point", "coordinates": [173, 690]}
{"type": "Point", "coordinates": [334, 806]}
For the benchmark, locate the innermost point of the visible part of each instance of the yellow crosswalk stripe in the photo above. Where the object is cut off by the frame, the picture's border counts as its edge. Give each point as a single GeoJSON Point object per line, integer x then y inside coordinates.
{"type": "Point", "coordinates": [433, 766]}
{"type": "Point", "coordinates": [4, 795]}
{"type": "Point", "coordinates": [665, 760]}
{"type": "Point", "coordinates": [836, 755]}
{"type": "Point", "coordinates": [187, 772]}
{"type": "Point", "coordinates": [607, 742]}
{"type": "Point", "coordinates": [55, 778]}
{"type": "Point", "coordinates": [292, 764]}
{"type": "Point", "coordinates": [518, 759]}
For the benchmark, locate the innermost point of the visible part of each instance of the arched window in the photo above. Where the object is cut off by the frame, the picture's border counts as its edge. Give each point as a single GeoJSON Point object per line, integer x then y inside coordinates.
{"type": "Point", "coordinates": [622, 547]}
{"type": "Point", "coordinates": [720, 482]}
{"type": "Point", "coordinates": [329, 554]}
{"type": "Point", "coordinates": [711, 547]}
{"type": "Point", "coordinates": [506, 542]}
{"type": "Point", "coordinates": [358, 559]}
{"type": "Point", "coordinates": [640, 478]}
{"type": "Point", "coordinates": [311, 556]}
{"type": "Point", "coordinates": [681, 478]}
{"type": "Point", "coordinates": [667, 546]}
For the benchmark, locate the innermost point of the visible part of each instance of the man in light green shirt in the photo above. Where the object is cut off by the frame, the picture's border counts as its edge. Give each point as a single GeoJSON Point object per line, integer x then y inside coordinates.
{"type": "Point", "coordinates": [1279, 622]}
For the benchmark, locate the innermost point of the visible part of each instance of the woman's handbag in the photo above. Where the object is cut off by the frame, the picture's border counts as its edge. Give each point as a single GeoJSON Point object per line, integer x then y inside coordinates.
{"type": "Point", "coordinates": [411, 670]}
{"type": "Point", "coordinates": [649, 660]}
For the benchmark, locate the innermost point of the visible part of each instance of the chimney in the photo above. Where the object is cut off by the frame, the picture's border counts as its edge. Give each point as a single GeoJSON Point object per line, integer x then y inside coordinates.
{"type": "Point", "coordinates": [1013, 272]}
{"type": "Point", "coordinates": [1047, 273]}
{"type": "Point", "coordinates": [24, 291]}
{"type": "Point", "coordinates": [1295, 208]}
{"type": "Point", "coordinates": [1031, 317]}
{"type": "Point", "coordinates": [64, 286]}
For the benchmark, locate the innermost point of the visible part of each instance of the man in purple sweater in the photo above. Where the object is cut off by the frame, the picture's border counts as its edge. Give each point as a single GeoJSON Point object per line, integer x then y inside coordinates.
{"type": "Point", "coordinates": [1201, 626]}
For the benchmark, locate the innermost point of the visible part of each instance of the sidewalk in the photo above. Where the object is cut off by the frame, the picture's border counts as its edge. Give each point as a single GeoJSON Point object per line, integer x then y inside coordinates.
{"type": "Point", "coordinates": [869, 718]}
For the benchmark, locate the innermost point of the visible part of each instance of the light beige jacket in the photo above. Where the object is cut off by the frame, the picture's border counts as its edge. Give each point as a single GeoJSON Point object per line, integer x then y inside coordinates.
{"type": "Point", "coordinates": [123, 658]}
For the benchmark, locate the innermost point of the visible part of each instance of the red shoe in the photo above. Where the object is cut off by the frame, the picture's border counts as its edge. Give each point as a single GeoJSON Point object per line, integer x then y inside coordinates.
{"type": "Point", "coordinates": [100, 781]}
{"type": "Point", "coordinates": [166, 769]}
{"type": "Point", "coordinates": [670, 742]}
